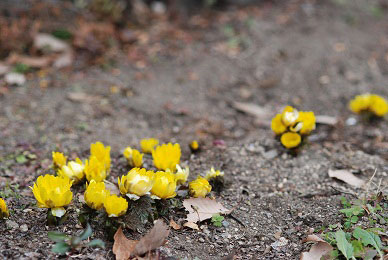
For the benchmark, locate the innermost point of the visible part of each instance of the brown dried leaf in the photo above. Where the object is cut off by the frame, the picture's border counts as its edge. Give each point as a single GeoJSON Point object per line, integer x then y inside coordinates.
{"type": "Point", "coordinates": [174, 225]}
{"type": "Point", "coordinates": [112, 187]}
{"type": "Point", "coordinates": [191, 225]}
{"type": "Point", "coordinates": [346, 176]}
{"type": "Point", "coordinates": [82, 97]}
{"type": "Point", "coordinates": [252, 109]}
{"type": "Point", "coordinates": [154, 239]}
{"type": "Point", "coordinates": [326, 120]}
{"type": "Point", "coordinates": [203, 208]}
{"type": "Point", "coordinates": [317, 250]}
{"type": "Point", "coordinates": [122, 246]}
{"type": "Point", "coordinates": [34, 62]}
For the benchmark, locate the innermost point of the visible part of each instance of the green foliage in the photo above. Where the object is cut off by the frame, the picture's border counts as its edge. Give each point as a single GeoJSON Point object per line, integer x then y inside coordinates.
{"type": "Point", "coordinates": [66, 243]}
{"type": "Point", "coordinates": [217, 220]}
{"type": "Point", "coordinates": [368, 238]}
{"type": "Point", "coordinates": [343, 244]}
{"type": "Point", "coordinates": [352, 213]}
{"type": "Point", "coordinates": [21, 68]}
{"type": "Point", "coordinates": [62, 34]}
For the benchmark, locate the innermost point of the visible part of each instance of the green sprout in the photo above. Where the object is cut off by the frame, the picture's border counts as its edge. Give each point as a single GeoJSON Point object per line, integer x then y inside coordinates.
{"type": "Point", "coordinates": [217, 220]}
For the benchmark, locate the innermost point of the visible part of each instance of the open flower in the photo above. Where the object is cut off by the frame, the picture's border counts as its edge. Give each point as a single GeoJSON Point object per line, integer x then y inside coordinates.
{"type": "Point", "coordinates": [164, 185]}
{"type": "Point", "coordinates": [115, 206]}
{"type": "Point", "coordinates": [200, 187]}
{"type": "Point", "coordinates": [102, 154]}
{"type": "Point", "coordinates": [369, 102]}
{"type": "Point", "coordinates": [59, 159]}
{"type": "Point", "coordinates": [73, 170]}
{"type": "Point", "coordinates": [167, 156]}
{"type": "Point", "coordinates": [95, 169]}
{"type": "Point", "coordinates": [307, 119]}
{"type": "Point", "coordinates": [194, 146]}
{"type": "Point", "coordinates": [53, 192]}
{"type": "Point", "coordinates": [290, 140]}
{"type": "Point", "coordinates": [148, 145]}
{"type": "Point", "coordinates": [4, 213]}
{"type": "Point", "coordinates": [133, 156]}
{"type": "Point", "coordinates": [138, 182]}
{"type": "Point", "coordinates": [277, 125]}
{"type": "Point", "coordinates": [289, 115]}
{"type": "Point", "coordinates": [95, 194]}
{"type": "Point", "coordinates": [213, 174]}
{"type": "Point", "coordinates": [181, 175]}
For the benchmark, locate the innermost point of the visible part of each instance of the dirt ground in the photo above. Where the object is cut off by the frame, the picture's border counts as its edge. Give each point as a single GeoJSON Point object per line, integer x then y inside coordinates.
{"type": "Point", "coordinates": [315, 55]}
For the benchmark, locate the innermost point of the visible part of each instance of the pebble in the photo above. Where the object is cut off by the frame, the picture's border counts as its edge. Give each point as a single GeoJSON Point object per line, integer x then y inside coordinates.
{"type": "Point", "coordinates": [271, 154]}
{"type": "Point", "coordinates": [11, 224]}
{"type": "Point", "coordinates": [24, 228]}
{"type": "Point", "coordinates": [201, 240]}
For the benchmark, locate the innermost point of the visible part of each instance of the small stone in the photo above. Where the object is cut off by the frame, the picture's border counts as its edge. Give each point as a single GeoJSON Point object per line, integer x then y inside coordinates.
{"type": "Point", "coordinates": [11, 224]}
{"type": "Point", "coordinates": [14, 78]}
{"type": "Point", "coordinates": [271, 154]}
{"type": "Point", "coordinates": [201, 240]}
{"type": "Point", "coordinates": [351, 121]}
{"type": "Point", "coordinates": [24, 228]}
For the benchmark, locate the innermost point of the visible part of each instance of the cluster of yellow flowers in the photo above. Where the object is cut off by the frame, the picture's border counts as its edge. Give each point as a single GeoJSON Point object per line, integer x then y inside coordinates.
{"type": "Point", "coordinates": [369, 103]}
{"type": "Point", "coordinates": [54, 192]}
{"type": "Point", "coordinates": [291, 125]}
{"type": "Point", "coordinates": [4, 213]}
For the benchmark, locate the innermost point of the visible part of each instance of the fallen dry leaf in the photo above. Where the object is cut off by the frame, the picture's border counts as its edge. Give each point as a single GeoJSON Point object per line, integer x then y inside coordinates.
{"type": "Point", "coordinates": [122, 246]}
{"type": "Point", "coordinates": [44, 40]}
{"type": "Point", "coordinates": [252, 109]}
{"type": "Point", "coordinates": [82, 97]}
{"type": "Point", "coordinates": [318, 250]}
{"type": "Point", "coordinates": [14, 78]}
{"type": "Point", "coordinates": [346, 176]}
{"type": "Point", "coordinates": [191, 225]}
{"type": "Point", "coordinates": [3, 69]}
{"type": "Point", "coordinates": [203, 208]}
{"type": "Point", "coordinates": [174, 225]}
{"type": "Point", "coordinates": [112, 187]}
{"type": "Point", "coordinates": [326, 120]}
{"type": "Point", "coordinates": [33, 62]}
{"type": "Point", "coordinates": [154, 239]}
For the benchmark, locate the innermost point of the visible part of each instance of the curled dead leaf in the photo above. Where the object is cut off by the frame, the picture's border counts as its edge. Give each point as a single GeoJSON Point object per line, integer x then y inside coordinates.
{"type": "Point", "coordinates": [191, 225]}
{"type": "Point", "coordinates": [122, 246]}
{"type": "Point", "coordinates": [174, 225]}
{"type": "Point", "coordinates": [346, 176]}
{"type": "Point", "coordinates": [203, 208]}
{"type": "Point", "coordinates": [318, 250]}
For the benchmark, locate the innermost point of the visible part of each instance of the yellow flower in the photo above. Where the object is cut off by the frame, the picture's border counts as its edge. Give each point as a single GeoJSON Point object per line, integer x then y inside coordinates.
{"type": "Point", "coordinates": [308, 122]}
{"type": "Point", "coordinates": [379, 106]}
{"type": "Point", "coordinates": [4, 213]}
{"type": "Point", "coordinates": [148, 145]}
{"type": "Point", "coordinates": [53, 192]}
{"type": "Point", "coordinates": [134, 157]}
{"type": "Point", "coordinates": [73, 170]}
{"type": "Point", "coordinates": [164, 185]}
{"type": "Point", "coordinates": [115, 206]}
{"type": "Point", "coordinates": [213, 173]}
{"type": "Point", "coordinates": [277, 125]}
{"type": "Point", "coordinates": [360, 103]}
{"type": "Point", "coordinates": [167, 156]}
{"type": "Point", "coordinates": [102, 154]}
{"type": "Point", "coordinates": [138, 182]}
{"type": "Point", "coordinates": [200, 187]}
{"type": "Point", "coordinates": [96, 194]}
{"type": "Point", "coordinates": [194, 146]}
{"type": "Point", "coordinates": [95, 170]}
{"type": "Point", "coordinates": [290, 140]}
{"type": "Point", "coordinates": [289, 115]}
{"type": "Point", "coordinates": [59, 159]}
{"type": "Point", "coordinates": [181, 175]}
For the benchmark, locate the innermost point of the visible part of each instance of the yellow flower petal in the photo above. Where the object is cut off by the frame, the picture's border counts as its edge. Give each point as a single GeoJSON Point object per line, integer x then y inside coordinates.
{"type": "Point", "coordinates": [164, 185]}
{"type": "Point", "coordinates": [167, 156]}
{"type": "Point", "coordinates": [148, 145]}
{"type": "Point", "coordinates": [200, 187]}
{"type": "Point", "coordinates": [290, 140]}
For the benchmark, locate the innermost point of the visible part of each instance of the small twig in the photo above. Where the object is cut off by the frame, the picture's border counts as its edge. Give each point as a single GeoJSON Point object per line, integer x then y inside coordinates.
{"type": "Point", "coordinates": [345, 192]}
{"type": "Point", "coordinates": [237, 220]}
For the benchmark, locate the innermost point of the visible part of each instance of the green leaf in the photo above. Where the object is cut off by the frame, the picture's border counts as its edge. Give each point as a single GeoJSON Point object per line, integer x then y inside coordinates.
{"type": "Point", "coordinates": [87, 232]}
{"type": "Point", "coordinates": [21, 159]}
{"type": "Point", "coordinates": [57, 236]}
{"type": "Point", "coordinates": [60, 248]}
{"type": "Point", "coordinates": [343, 245]}
{"type": "Point", "coordinates": [96, 243]}
{"type": "Point", "coordinates": [368, 238]}
{"type": "Point", "coordinates": [358, 247]}
{"type": "Point", "coordinates": [354, 219]}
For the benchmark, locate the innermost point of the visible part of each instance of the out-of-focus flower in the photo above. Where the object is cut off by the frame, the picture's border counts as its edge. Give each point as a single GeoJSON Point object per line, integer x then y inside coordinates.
{"type": "Point", "coordinates": [95, 194]}
{"type": "Point", "coordinates": [102, 154]}
{"type": "Point", "coordinates": [95, 169]}
{"type": "Point", "coordinates": [4, 213]}
{"type": "Point", "coordinates": [308, 122]}
{"type": "Point", "coordinates": [133, 156]}
{"type": "Point", "coordinates": [167, 156]}
{"type": "Point", "coordinates": [369, 102]}
{"type": "Point", "coordinates": [148, 145]}
{"type": "Point", "coordinates": [115, 206]}
{"type": "Point", "coordinates": [213, 174]}
{"type": "Point", "coordinates": [194, 146]}
{"type": "Point", "coordinates": [59, 159]}
{"type": "Point", "coordinates": [290, 140]}
{"type": "Point", "coordinates": [73, 170]}
{"type": "Point", "coordinates": [164, 185]}
{"type": "Point", "coordinates": [200, 187]}
{"type": "Point", "coordinates": [181, 175]}
{"type": "Point", "coordinates": [138, 182]}
{"type": "Point", "coordinates": [289, 115]}
{"type": "Point", "coordinates": [277, 125]}
{"type": "Point", "coordinates": [53, 192]}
